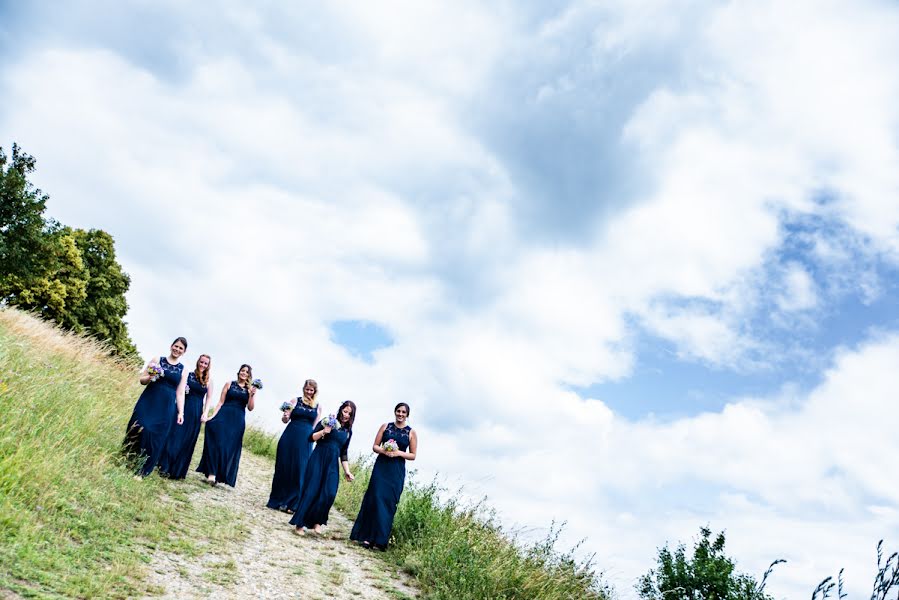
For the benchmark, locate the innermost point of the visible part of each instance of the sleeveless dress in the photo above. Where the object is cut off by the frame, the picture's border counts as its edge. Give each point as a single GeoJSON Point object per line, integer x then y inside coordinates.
{"type": "Point", "coordinates": [153, 416]}
{"type": "Point", "coordinates": [375, 519]}
{"type": "Point", "coordinates": [322, 478]}
{"type": "Point", "coordinates": [179, 449]}
{"type": "Point", "coordinates": [224, 437]}
{"type": "Point", "coordinates": [294, 449]}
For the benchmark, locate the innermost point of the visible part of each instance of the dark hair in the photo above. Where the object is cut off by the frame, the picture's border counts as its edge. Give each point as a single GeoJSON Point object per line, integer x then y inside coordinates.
{"type": "Point", "coordinates": [352, 405]}
{"type": "Point", "coordinates": [408, 410]}
{"type": "Point", "coordinates": [182, 340]}
{"type": "Point", "coordinates": [249, 374]}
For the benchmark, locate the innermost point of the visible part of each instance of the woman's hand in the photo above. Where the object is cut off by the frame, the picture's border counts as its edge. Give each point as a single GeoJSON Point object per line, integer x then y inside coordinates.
{"type": "Point", "coordinates": [326, 429]}
{"type": "Point", "coordinates": [285, 417]}
{"type": "Point", "coordinates": [203, 418]}
{"type": "Point", "coordinates": [180, 420]}
{"type": "Point", "coordinates": [349, 476]}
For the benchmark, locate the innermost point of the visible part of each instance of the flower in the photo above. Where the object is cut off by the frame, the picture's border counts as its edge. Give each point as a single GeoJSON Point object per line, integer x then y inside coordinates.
{"type": "Point", "coordinates": [390, 445]}
{"type": "Point", "coordinates": [257, 383]}
{"type": "Point", "coordinates": [286, 406]}
{"type": "Point", "coordinates": [155, 372]}
{"type": "Point", "coordinates": [331, 421]}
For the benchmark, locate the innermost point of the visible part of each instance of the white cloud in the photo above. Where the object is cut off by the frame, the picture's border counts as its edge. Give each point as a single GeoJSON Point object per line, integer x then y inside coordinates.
{"type": "Point", "coordinates": [255, 201]}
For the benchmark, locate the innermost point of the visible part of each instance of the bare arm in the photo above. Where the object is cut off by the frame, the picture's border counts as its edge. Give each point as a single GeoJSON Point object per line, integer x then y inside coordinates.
{"type": "Point", "coordinates": [251, 402]}
{"type": "Point", "coordinates": [206, 398]}
{"type": "Point", "coordinates": [218, 406]}
{"type": "Point", "coordinates": [144, 375]}
{"type": "Point", "coordinates": [376, 447]}
{"type": "Point", "coordinates": [413, 447]}
{"type": "Point", "coordinates": [179, 396]}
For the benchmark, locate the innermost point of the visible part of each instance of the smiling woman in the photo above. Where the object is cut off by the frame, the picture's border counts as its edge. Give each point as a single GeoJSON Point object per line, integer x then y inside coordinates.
{"type": "Point", "coordinates": [155, 411]}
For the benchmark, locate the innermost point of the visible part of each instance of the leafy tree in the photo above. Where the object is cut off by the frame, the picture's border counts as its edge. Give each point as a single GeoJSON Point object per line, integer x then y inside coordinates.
{"type": "Point", "coordinates": [103, 308]}
{"type": "Point", "coordinates": [23, 231]}
{"type": "Point", "coordinates": [70, 276]}
{"type": "Point", "coordinates": [708, 575]}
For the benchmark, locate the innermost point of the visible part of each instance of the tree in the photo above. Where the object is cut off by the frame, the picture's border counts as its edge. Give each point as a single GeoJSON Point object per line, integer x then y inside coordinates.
{"type": "Point", "coordinates": [103, 309]}
{"type": "Point", "coordinates": [67, 275]}
{"type": "Point", "coordinates": [708, 575]}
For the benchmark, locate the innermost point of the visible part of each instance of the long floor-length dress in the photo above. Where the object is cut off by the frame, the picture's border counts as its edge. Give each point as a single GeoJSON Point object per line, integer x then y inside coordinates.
{"type": "Point", "coordinates": [322, 478]}
{"type": "Point", "coordinates": [375, 519]}
{"type": "Point", "coordinates": [294, 449]}
{"type": "Point", "coordinates": [179, 449]}
{"type": "Point", "coordinates": [223, 441]}
{"type": "Point", "coordinates": [153, 417]}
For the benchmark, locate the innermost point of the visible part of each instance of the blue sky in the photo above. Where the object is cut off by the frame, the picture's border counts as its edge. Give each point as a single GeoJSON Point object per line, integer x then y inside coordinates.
{"type": "Point", "coordinates": [673, 228]}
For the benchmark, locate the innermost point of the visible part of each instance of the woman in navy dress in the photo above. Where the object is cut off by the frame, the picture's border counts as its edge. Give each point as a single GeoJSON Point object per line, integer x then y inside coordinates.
{"type": "Point", "coordinates": [179, 449]}
{"type": "Point", "coordinates": [322, 473]}
{"type": "Point", "coordinates": [375, 519]}
{"type": "Point", "coordinates": [224, 430]}
{"type": "Point", "coordinates": [160, 405]}
{"type": "Point", "coordinates": [294, 449]}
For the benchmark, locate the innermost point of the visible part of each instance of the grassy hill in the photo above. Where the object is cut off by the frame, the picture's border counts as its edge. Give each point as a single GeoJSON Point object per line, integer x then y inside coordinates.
{"type": "Point", "coordinates": [75, 523]}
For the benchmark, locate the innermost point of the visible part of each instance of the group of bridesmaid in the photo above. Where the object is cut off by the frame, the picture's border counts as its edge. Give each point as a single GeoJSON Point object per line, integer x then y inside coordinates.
{"type": "Point", "coordinates": [165, 425]}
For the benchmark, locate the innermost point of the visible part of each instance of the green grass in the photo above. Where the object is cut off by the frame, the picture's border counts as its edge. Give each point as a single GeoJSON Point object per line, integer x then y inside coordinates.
{"type": "Point", "coordinates": [261, 443]}
{"type": "Point", "coordinates": [74, 523]}
{"type": "Point", "coordinates": [456, 551]}
{"type": "Point", "coordinates": [459, 551]}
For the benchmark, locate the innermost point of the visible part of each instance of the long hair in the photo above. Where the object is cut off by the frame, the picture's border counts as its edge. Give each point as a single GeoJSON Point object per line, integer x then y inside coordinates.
{"type": "Point", "coordinates": [249, 374]}
{"type": "Point", "coordinates": [349, 424]}
{"type": "Point", "coordinates": [203, 376]}
{"type": "Point", "coordinates": [311, 401]}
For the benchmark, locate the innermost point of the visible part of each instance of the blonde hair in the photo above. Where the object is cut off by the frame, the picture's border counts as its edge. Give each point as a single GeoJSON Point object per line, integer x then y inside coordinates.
{"type": "Point", "coordinates": [204, 377]}
{"type": "Point", "coordinates": [311, 403]}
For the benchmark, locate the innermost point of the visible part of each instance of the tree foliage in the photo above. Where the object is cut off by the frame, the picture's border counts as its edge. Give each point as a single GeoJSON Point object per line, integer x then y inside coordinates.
{"type": "Point", "coordinates": [708, 575]}
{"type": "Point", "coordinates": [67, 275]}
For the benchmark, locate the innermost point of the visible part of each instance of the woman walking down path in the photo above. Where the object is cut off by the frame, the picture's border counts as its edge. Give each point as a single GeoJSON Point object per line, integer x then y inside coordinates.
{"type": "Point", "coordinates": [267, 560]}
{"type": "Point", "coordinates": [179, 448]}
{"type": "Point", "coordinates": [294, 449]}
{"type": "Point", "coordinates": [395, 443]}
{"type": "Point", "coordinates": [159, 408]}
{"type": "Point", "coordinates": [332, 438]}
{"type": "Point", "coordinates": [223, 441]}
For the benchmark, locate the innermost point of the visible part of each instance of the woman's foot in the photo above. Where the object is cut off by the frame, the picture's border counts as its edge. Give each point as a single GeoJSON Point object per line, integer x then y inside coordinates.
{"type": "Point", "coordinates": [366, 544]}
{"type": "Point", "coordinates": [211, 480]}
{"type": "Point", "coordinates": [299, 531]}
{"type": "Point", "coordinates": [317, 529]}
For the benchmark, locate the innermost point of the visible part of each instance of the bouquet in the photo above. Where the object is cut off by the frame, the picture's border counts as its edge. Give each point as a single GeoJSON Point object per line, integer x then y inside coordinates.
{"type": "Point", "coordinates": [286, 406]}
{"type": "Point", "coordinates": [257, 383]}
{"type": "Point", "coordinates": [331, 421]}
{"type": "Point", "coordinates": [155, 372]}
{"type": "Point", "coordinates": [390, 445]}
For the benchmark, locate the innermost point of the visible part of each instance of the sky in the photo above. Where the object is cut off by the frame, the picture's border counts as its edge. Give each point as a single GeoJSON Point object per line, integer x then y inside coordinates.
{"type": "Point", "coordinates": [634, 265]}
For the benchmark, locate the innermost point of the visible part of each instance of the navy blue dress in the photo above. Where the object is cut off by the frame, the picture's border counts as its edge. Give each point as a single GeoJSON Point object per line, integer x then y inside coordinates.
{"type": "Point", "coordinates": [224, 437]}
{"type": "Point", "coordinates": [153, 416]}
{"type": "Point", "coordinates": [322, 478]}
{"type": "Point", "coordinates": [294, 449]}
{"type": "Point", "coordinates": [375, 519]}
{"type": "Point", "coordinates": [179, 449]}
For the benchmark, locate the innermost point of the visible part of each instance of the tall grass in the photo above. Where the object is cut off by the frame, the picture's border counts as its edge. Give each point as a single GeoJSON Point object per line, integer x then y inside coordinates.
{"type": "Point", "coordinates": [261, 443]}
{"type": "Point", "coordinates": [73, 520]}
{"type": "Point", "coordinates": [456, 550]}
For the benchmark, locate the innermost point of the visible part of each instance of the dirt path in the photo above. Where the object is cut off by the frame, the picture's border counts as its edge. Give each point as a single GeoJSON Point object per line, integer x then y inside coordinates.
{"type": "Point", "coordinates": [271, 561]}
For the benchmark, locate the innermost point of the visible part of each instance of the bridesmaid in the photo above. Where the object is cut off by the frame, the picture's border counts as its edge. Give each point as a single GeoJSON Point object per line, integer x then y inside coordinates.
{"type": "Point", "coordinates": [179, 449]}
{"type": "Point", "coordinates": [159, 405]}
{"type": "Point", "coordinates": [322, 472]}
{"type": "Point", "coordinates": [375, 520]}
{"type": "Point", "coordinates": [294, 448]}
{"type": "Point", "coordinates": [224, 429]}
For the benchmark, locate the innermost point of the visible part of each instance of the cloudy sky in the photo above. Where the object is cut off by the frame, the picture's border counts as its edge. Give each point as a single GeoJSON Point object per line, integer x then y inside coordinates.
{"type": "Point", "coordinates": [634, 265]}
